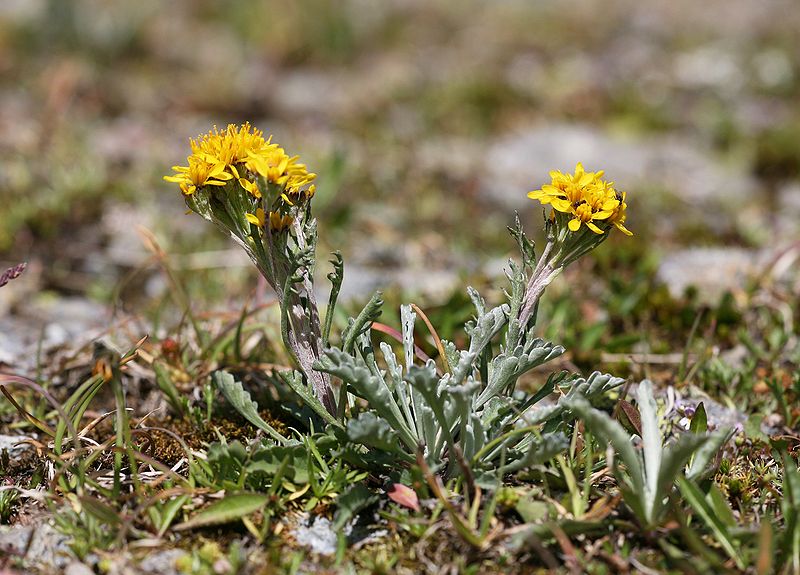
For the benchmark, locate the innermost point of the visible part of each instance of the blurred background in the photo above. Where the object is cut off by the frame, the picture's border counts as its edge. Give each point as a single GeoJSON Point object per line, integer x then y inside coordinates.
{"type": "Point", "coordinates": [427, 121]}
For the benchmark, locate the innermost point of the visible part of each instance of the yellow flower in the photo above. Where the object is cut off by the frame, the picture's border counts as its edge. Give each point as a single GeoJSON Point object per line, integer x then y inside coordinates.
{"type": "Point", "coordinates": [584, 196]}
{"type": "Point", "coordinates": [257, 219]}
{"type": "Point", "coordinates": [277, 222]}
{"type": "Point", "coordinates": [231, 146]}
{"type": "Point", "coordinates": [251, 187]}
{"type": "Point", "coordinates": [198, 173]}
{"type": "Point", "coordinates": [618, 217]}
{"type": "Point", "coordinates": [566, 186]}
{"type": "Point", "coordinates": [241, 153]}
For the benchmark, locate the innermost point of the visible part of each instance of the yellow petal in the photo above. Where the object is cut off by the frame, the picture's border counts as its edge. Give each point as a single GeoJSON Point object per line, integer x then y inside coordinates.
{"type": "Point", "coordinates": [552, 190]}
{"type": "Point", "coordinates": [574, 224]}
{"type": "Point", "coordinates": [610, 204]}
{"type": "Point", "coordinates": [593, 227]}
{"type": "Point", "coordinates": [623, 229]}
{"type": "Point", "coordinates": [560, 204]}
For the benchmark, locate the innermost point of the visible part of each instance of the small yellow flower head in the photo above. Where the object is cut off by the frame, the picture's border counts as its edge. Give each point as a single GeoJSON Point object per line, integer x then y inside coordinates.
{"type": "Point", "coordinates": [197, 174]}
{"type": "Point", "coordinates": [242, 155]}
{"type": "Point", "coordinates": [586, 199]}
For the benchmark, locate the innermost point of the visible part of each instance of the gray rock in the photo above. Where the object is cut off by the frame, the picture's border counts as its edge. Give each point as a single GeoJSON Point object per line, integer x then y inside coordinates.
{"type": "Point", "coordinates": [711, 270]}
{"type": "Point", "coordinates": [10, 442]}
{"type": "Point", "coordinates": [48, 322]}
{"type": "Point", "coordinates": [77, 568]}
{"type": "Point", "coordinates": [319, 537]}
{"type": "Point", "coordinates": [47, 549]}
{"type": "Point", "coordinates": [162, 562]}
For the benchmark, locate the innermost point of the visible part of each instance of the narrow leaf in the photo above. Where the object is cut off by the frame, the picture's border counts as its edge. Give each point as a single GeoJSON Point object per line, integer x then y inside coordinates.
{"type": "Point", "coordinates": [651, 441]}
{"type": "Point", "coordinates": [612, 432]}
{"type": "Point", "coordinates": [695, 498]}
{"type": "Point", "coordinates": [231, 508]}
{"type": "Point", "coordinates": [100, 510]}
{"type": "Point", "coordinates": [699, 422]}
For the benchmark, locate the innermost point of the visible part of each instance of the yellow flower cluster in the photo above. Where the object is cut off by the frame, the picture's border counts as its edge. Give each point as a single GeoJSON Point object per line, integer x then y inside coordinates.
{"type": "Point", "coordinates": [240, 154]}
{"type": "Point", "coordinates": [586, 197]}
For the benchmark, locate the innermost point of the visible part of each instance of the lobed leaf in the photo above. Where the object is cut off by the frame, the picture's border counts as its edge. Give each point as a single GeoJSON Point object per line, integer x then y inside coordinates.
{"type": "Point", "coordinates": [362, 322]}
{"type": "Point", "coordinates": [372, 388]}
{"type": "Point", "coordinates": [240, 399]}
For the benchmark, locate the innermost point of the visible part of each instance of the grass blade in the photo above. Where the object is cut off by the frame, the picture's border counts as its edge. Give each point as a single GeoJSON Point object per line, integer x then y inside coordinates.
{"type": "Point", "coordinates": [692, 494]}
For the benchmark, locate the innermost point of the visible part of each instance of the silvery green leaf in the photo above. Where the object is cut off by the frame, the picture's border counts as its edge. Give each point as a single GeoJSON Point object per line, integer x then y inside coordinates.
{"type": "Point", "coordinates": [437, 431]}
{"type": "Point", "coordinates": [407, 320]}
{"type": "Point", "coordinates": [241, 401]}
{"type": "Point", "coordinates": [539, 415]}
{"type": "Point", "coordinates": [484, 330]}
{"type": "Point", "coordinates": [703, 456]}
{"type": "Point", "coordinates": [451, 352]}
{"type": "Point", "coordinates": [394, 370]}
{"type": "Point", "coordinates": [362, 322]}
{"type": "Point", "coordinates": [425, 380]}
{"type": "Point", "coordinates": [601, 383]}
{"type": "Point", "coordinates": [507, 368]}
{"type": "Point", "coordinates": [651, 442]}
{"type": "Point", "coordinates": [478, 434]}
{"type": "Point", "coordinates": [295, 381]}
{"type": "Point", "coordinates": [493, 409]}
{"type": "Point", "coordinates": [539, 452]}
{"type": "Point", "coordinates": [612, 432]}
{"type": "Point", "coordinates": [398, 386]}
{"type": "Point", "coordinates": [477, 300]}
{"type": "Point", "coordinates": [674, 460]}
{"type": "Point", "coordinates": [461, 414]}
{"type": "Point", "coordinates": [369, 429]}
{"type": "Point", "coordinates": [367, 385]}
{"type": "Point", "coordinates": [367, 352]}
